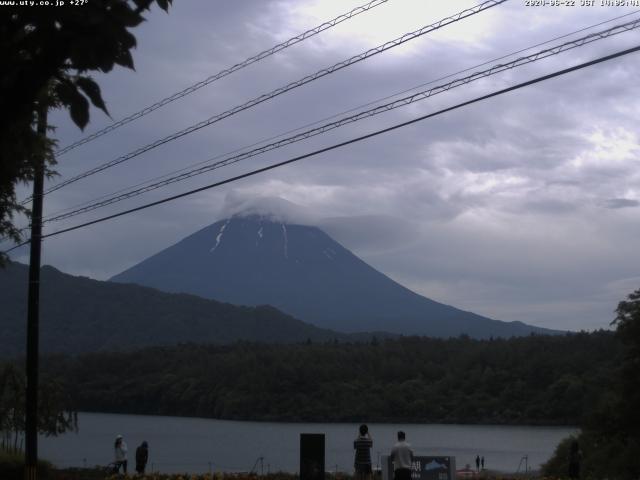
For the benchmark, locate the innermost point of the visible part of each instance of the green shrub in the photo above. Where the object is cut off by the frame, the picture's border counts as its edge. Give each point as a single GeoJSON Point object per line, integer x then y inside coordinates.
{"type": "Point", "coordinates": [12, 467]}
{"type": "Point", "coordinates": [558, 464]}
{"type": "Point", "coordinates": [603, 456]}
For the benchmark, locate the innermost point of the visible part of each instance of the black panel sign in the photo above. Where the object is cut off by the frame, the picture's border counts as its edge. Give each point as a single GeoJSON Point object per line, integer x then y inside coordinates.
{"type": "Point", "coordinates": [312, 456]}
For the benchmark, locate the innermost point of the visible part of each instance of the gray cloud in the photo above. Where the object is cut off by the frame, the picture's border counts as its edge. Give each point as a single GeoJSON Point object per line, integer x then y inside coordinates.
{"type": "Point", "coordinates": [620, 203]}
{"type": "Point", "coordinates": [519, 207]}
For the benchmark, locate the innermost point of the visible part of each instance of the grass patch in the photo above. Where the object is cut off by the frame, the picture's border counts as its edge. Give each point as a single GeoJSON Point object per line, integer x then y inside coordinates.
{"type": "Point", "coordinates": [12, 467]}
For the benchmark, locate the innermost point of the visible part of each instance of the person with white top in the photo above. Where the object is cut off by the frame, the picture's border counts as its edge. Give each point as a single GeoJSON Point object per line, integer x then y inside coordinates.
{"type": "Point", "coordinates": [120, 453]}
{"type": "Point", "coordinates": [402, 458]}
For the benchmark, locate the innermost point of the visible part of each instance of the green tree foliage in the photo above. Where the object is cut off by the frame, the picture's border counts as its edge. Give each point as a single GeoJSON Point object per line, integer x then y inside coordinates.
{"type": "Point", "coordinates": [628, 330]}
{"type": "Point", "coordinates": [610, 436]}
{"type": "Point", "coordinates": [12, 404]}
{"type": "Point", "coordinates": [55, 415]}
{"type": "Point", "coordinates": [533, 380]}
{"type": "Point", "coordinates": [79, 315]}
{"type": "Point", "coordinates": [47, 54]}
{"type": "Point", "coordinates": [12, 467]}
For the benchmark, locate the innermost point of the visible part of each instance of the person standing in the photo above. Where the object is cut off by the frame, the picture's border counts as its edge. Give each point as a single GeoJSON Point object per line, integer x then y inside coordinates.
{"type": "Point", "coordinates": [142, 456]}
{"type": "Point", "coordinates": [362, 462]}
{"type": "Point", "coordinates": [120, 454]}
{"type": "Point", "coordinates": [402, 458]}
{"type": "Point", "coordinates": [477, 463]}
{"type": "Point", "coordinates": [482, 462]}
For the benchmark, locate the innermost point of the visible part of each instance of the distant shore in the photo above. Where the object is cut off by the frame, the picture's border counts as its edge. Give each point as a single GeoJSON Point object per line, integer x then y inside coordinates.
{"type": "Point", "coordinates": [536, 380]}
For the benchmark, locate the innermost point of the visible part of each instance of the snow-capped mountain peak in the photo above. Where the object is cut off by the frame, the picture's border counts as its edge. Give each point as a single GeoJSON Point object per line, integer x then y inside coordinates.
{"type": "Point", "coordinates": [254, 257]}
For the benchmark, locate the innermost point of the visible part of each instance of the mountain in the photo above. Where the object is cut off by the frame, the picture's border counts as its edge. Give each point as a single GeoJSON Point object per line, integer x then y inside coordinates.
{"type": "Point", "coordinates": [255, 259]}
{"type": "Point", "coordinates": [78, 314]}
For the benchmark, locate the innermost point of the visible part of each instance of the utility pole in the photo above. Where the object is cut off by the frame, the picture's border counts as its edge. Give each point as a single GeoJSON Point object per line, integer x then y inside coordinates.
{"type": "Point", "coordinates": [31, 426]}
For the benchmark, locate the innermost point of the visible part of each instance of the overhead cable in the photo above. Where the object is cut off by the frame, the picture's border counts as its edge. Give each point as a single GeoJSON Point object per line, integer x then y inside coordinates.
{"type": "Point", "coordinates": [223, 73]}
{"type": "Point", "coordinates": [345, 143]}
{"type": "Point", "coordinates": [415, 97]}
{"type": "Point", "coordinates": [325, 119]}
{"type": "Point", "coordinates": [279, 91]}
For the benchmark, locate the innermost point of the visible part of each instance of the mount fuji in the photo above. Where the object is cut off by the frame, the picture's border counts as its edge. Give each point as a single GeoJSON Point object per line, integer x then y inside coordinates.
{"type": "Point", "coordinates": [257, 258]}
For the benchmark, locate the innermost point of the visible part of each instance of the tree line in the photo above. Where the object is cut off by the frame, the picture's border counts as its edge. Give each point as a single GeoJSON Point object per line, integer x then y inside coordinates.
{"type": "Point", "coordinates": [545, 380]}
{"type": "Point", "coordinates": [608, 445]}
{"type": "Point", "coordinates": [55, 415]}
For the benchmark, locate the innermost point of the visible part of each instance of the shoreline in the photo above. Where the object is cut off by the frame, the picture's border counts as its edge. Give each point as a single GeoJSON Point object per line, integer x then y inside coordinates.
{"type": "Point", "coordinates": [201, 445]}
{"type": "Point", "coordinates": [346, 422]}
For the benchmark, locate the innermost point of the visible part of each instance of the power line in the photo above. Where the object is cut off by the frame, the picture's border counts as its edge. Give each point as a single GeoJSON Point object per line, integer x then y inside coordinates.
{"type": "Point", "coordinates": [419, 96]}
{"type": "Point", "coordinates": [345, 143]}
{"type": "Point", "coordinates": [223, 73]}
{"type": "Point", "coordinates": [279, 91]}
{"type": "Point", "coordinates": [336, 115]}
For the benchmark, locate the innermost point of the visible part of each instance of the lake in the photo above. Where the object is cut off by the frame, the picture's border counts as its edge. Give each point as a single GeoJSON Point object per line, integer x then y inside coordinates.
{"type": "Point", "coordinates": [198, 445]}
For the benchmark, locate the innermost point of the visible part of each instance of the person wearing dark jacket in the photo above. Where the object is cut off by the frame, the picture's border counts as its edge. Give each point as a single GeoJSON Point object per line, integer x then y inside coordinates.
{"type": "Point", "coordinates": [142, 455]}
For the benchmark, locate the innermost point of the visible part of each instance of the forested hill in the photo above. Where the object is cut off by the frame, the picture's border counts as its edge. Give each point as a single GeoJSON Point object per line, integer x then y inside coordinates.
{"type": "Point", "coordinates": [532, 380]}
{"type": "Point", "coordinates": [83, 315]}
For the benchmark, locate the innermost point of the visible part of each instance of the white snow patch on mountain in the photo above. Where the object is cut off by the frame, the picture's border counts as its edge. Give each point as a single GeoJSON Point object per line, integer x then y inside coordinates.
{"type": "Point", "coordinates": [286, 241]}
{"type": "Point", "coordinates": [260, 235]}
{"type": "Point", "coordinates": [219, 237]}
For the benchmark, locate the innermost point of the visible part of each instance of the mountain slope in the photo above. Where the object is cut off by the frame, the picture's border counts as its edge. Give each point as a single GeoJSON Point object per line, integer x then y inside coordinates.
{"type": "Point", "coordinates": [253, 260]}
{"type": "Point", "coordinates": [83, 315]}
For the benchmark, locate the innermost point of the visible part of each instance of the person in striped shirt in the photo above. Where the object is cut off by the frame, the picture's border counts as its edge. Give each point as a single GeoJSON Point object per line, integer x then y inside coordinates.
{"type": "Point", "coordinates": [362, 445]}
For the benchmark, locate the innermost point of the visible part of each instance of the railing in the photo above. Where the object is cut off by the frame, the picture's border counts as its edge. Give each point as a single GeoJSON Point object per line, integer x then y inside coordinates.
{"type": "Point", "coordinates": [524, 459]}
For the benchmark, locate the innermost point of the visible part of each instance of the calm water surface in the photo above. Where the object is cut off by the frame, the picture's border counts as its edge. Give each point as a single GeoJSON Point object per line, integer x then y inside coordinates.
{"type": "Point", "coordinates": [197, 445]}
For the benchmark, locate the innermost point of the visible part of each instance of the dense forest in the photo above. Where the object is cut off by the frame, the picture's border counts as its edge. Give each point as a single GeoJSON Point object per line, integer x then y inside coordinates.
{"type": "Point", "coordinates": [530, 380]}
{"type": "Point", "coordinates": [81, 315]}
{"type": "Point", "coordinates": [608, 445]}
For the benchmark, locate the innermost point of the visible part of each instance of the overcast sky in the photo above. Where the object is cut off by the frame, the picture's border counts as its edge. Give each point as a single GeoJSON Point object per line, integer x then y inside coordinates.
{"type": "Point", "coordinates": [522, 207]}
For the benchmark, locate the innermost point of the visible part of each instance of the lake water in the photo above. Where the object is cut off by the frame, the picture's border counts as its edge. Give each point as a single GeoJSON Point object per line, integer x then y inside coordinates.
{"type": "Point", "coordinates": [197, 445]}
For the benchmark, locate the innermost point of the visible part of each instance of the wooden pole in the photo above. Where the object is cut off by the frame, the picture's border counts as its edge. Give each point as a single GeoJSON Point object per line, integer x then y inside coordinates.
{"type": "Point", "coordinates": [33, 314]}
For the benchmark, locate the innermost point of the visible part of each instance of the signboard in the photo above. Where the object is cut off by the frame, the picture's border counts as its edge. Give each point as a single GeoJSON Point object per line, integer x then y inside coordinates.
{"type": "Point", "coordinates": [424, 468]}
